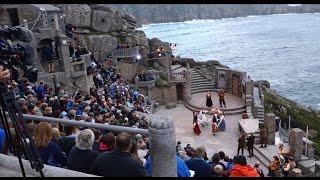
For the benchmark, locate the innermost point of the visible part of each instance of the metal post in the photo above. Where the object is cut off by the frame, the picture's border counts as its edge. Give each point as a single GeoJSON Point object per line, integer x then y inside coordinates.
{"type": "Point", "coordinates": [289, 123]}
{"type": "Point", "coordinates": [56, 22]}
{"type": "Point", "coordinates": [306, 150]}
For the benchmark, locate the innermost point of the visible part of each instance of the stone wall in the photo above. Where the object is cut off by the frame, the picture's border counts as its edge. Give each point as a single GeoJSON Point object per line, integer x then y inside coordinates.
{"type": "Point", "coordinates": [165, 95]}
{"type": "Point", "coordinates": [128, 71]}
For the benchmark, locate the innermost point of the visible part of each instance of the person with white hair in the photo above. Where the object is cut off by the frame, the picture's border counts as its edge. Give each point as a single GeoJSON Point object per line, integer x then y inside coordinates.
{"type": "Point", "coordinates": [203, 118]}
{"type": "Point", "coordinates": [81, 155]}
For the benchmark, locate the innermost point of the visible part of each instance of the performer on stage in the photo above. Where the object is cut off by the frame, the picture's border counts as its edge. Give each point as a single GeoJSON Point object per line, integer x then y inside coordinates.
{"type": "Point", "coordinates": [215, 119]}
{"type": "Point", "coordinates": [208, 99]}
{"type": "Point", "coordinates": [221, 122]}
{"type": "Point", "coordinates": [196, 128]}
{"type": "Point", "coordinates": [203, 118]}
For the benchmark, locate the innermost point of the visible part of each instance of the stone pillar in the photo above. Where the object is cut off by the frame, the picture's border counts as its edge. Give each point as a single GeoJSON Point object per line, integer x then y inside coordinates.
{"type": "Point", "coordinates": [187, 88]}
{"type": "Point", "coordinates": [270, 123]}
{"type": "Point", "coordinates": [310, 152]}
{"type": "Point", "coordinates": [64, 49]}
{"type": "Point", "coordinates": [162, 139]}
{"type": "Point", "coordinates": [25, 23]}
{"type": "Point", "coordinates": [56, 22]}
{"type": "Point", "coordinates": [317, 169]}
{"type": "Point", "coordinates": [44, 20]}
{"type": "Point", "coordinates": [296, 143]}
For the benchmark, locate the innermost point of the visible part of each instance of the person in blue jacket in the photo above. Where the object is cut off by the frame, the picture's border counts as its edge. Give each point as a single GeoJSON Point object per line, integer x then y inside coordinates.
{"type": "Point", "coordinates": [182, 168]}
{"type": "Point", "coordinates": [2, 139]}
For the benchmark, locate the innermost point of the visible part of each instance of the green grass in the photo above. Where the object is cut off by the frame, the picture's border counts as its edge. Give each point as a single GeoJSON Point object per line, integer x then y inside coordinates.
{"type": "Point", "coordinates": [300, 118]}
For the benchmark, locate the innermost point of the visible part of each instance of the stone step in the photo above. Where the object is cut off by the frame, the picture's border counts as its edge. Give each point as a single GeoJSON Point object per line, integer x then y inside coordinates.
{"type": "Point", "coordinates": [203, 90]}
{"type": "Point", "coordinates": [198, 78]}
{"type": "Point", "coordinates": [262, 158]}
{"type": "Point", "coordinates": [201, 86]}
{"type": "Point", "coordinates": [201, 83]}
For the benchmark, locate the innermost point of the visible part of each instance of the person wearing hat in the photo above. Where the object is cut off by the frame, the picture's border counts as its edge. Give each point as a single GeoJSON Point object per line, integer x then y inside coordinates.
{"type": "Point", "coordinates": [259, 171]}
{"type": "Point", "coordinates": [288, 166]}
{"type": "Point", "coordinates": [83, 149]}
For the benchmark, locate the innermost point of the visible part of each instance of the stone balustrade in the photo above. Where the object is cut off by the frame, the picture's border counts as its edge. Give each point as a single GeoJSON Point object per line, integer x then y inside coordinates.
{"type": "Point", "coordinates": [125, 52]}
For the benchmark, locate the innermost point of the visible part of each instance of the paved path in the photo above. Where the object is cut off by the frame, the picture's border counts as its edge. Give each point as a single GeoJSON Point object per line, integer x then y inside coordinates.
{"type": "Point", "coordinates": [225, 141]}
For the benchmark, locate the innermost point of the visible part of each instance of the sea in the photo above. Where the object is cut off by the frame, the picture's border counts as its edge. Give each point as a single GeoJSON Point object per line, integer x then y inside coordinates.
{"type": "Point", "coordinates": [283, 49]}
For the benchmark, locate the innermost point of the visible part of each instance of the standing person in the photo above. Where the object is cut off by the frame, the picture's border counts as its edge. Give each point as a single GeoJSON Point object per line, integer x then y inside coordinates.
{"type": "Point", "coordinates": [241, 142]}
{"type": "Point", "coordinates": [263, 136]}
{"type": "Point", "coordinates": [221, 98]}
{"type": "Point", "coordinates": [48, 57]}
{"type": "Point", "coordinates": [196, 128]}
{"type": "Point", "coordinates": [119, 162]}
{"type": "Point", "coordinates": [202, 118]}
{"type": "Point", "coordinates": [208, 100]}
{"type": "Point", "coordinates": [250, 140]}
{"type": "Point", "coordinates": [215, 119]}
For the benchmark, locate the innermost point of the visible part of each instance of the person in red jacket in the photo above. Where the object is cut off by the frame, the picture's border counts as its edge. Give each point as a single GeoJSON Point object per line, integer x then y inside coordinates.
{"type": "Point", "coordinates": [242, 169]}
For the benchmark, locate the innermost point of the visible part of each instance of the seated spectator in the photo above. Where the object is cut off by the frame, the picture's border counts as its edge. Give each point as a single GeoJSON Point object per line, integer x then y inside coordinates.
{"type": "Point", "coordinates": [49, 151]}
{"type": "Point", "coordinates": [182, 168]}
{"type": "Point", "coordinates": [119, 162]}
{"type": "Point", "coordinates": [274, 166]}
{"type": "Point", "coordinates": [242, 169]}
{"type": "Point", "coordinates": [82, 149]}
{"type": "Point", "coordinates": [259, 171]}
{"type": "Point", "coordinates": [288, 166]}
{"type": "Point", "coordinates": [215, 160]}
{"type": "Point", "coordinates": [66, 143]}
{"type": "Point", "coordinates": [198, 164]}
{"type": "Point", "coordinates": [107, 142]}
{"type": "Point", "coordinates": [218, 171]}
{"type": "Point", "coordinates": [140, 143]}
{"type": "Point", "coordinates": [134, 153]}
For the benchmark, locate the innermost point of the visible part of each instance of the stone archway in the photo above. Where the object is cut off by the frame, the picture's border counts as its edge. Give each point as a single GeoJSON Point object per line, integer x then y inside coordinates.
{"type": "Point", "coordinates": [179, 89]}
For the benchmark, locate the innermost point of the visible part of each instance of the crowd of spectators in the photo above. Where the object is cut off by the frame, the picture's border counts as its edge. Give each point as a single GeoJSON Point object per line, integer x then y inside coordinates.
{"type": "Point", "coordinates": [145, 76]}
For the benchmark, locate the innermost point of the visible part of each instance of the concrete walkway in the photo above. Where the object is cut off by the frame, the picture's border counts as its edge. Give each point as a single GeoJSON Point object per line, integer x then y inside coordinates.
{"type": "Point", "coordinates": [226, 141]}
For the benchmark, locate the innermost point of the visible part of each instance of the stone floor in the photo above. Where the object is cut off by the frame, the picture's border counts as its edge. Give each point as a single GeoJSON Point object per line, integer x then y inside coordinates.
{"type": "Point", "coordinates": [223, 141]}
{"type": "Point", "coordinates": [199, 100]}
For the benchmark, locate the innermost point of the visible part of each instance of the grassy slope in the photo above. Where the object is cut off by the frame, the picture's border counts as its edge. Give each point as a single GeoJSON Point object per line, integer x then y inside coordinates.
{"type": "Point", "coordinates": [300, 117]}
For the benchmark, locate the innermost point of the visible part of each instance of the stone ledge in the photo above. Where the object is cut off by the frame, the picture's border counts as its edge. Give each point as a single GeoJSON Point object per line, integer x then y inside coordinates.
{"type": "Point", "coordinates": [9, 167]}
{"type": "Point", "coordinates": [171, 105]}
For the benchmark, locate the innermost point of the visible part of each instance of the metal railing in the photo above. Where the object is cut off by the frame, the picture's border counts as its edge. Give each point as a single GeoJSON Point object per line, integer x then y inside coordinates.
{"type": "Point", "coordinates": [284, 136]}
{"type": "Point", "coordinates": [86, 124]}
{"type": "Point", "coordinates": [38, 20]}
{"type": "Point", "coordinates": [178, 77]}
{"type": "Point", "coordinates": [125, 52]}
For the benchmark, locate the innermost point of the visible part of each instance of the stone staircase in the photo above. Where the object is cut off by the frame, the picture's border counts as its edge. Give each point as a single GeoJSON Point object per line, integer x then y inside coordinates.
{"type": "Point", "coordinates": [199, 83]}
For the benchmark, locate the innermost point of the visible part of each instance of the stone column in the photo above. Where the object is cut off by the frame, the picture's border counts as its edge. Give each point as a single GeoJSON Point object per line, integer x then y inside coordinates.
{"type": "Point", "coordinates": [187, 88]}
{"type": "Point", "coordinates": [56, 22]}
{"type": "Point", "coordinates": [44, 20]}
{"type": "Point", "coordinates": [317, 169]}
{"type": "Point", "coordinates": [25, 23]}
{"type": "Point", "coordinates": [296, 143]}
{"type": "Point", "coordinates": [162, 139]}
{"type": "Point", "coordinates": [270, 123]}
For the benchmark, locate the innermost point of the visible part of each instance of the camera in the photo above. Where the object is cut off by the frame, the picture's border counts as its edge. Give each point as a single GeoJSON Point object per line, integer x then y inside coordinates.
{"type": "Point", "coordinates": [19, 55]}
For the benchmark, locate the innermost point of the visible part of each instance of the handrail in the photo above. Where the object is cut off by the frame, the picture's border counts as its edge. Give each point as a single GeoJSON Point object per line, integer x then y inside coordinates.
{"type": "Point", "coordinates": [125, 52]}
{"type": "Point", "coordinates": [86, 124]}
{"type": "Point", "coordinates": [180, 76]}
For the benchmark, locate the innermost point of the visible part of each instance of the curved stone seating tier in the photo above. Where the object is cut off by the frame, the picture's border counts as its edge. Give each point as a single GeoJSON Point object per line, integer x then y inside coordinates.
{"type": "Point", "coordinates": [235, 105]}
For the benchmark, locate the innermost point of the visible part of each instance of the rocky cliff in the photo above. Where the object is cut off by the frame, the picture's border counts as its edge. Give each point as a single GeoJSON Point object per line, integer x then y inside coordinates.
{"type": "Point", "coordinates": [101, 27]}
{"type": "Point", "coordinates": [161, 13]}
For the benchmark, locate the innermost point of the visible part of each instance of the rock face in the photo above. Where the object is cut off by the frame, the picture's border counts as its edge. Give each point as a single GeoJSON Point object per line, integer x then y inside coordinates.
{"type": "Point", "coordinates": [102, 27]}
{"type": "Point", "coordinates": [78, 15]}
{"type": "Point", "coordinates": [99, 17]}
